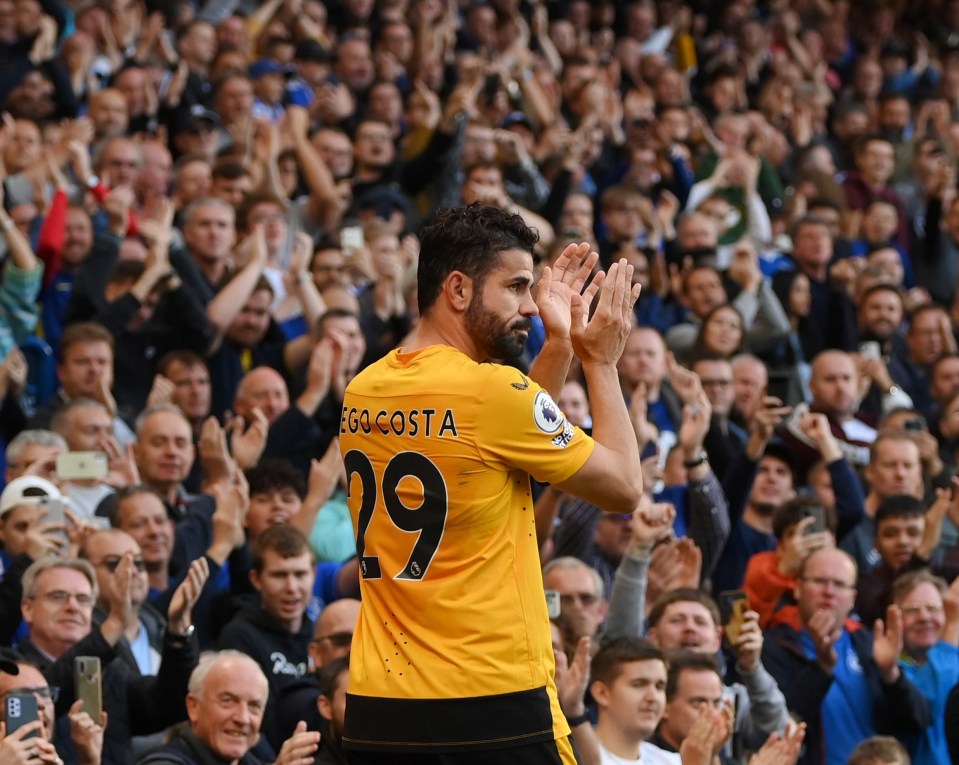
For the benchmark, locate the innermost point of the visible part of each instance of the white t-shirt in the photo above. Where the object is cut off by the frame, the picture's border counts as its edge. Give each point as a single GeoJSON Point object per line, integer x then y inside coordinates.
{"type": "Point", "coordinates": [649, 754]}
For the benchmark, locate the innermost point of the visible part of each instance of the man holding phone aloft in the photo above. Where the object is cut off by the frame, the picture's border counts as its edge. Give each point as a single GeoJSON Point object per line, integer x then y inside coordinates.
{"type": "Point", "coordinates": [32, 744]}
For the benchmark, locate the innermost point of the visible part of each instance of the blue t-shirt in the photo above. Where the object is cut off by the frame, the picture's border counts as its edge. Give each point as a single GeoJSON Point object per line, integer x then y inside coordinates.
{"type": "Point", "coordinates": [934, 679]}
{"type": "Point", "coordinates": [326, 587]}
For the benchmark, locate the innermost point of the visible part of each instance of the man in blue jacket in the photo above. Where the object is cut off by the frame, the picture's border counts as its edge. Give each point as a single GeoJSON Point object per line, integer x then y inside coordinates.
{"type": "Point", "coordinates": [838, 676]}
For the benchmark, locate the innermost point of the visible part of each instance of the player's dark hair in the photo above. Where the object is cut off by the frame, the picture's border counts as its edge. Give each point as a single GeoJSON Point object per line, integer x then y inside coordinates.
{"type": "Point", "coordinates": [606, 664]}
{"type": "Point", "coordinates": [467, 239]}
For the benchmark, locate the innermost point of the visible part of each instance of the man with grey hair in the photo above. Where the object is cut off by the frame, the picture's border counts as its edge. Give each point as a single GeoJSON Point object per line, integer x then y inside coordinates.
{"type": "Point", "coordinates": [209, 233]}
{"type": "Point", "coordinates": [58, 599]}
{"type": "Point", "coordinates": [583, 605]}
{"type": "Point", "coordinates": [34, 452]}
{"type": "Point", "coordinates": [227, 697]}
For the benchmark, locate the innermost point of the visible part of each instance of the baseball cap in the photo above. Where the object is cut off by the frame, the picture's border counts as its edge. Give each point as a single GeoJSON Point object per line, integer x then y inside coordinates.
{"type": "Point", "coordinates": [199, 113]}
{"type": "Point", "coordinates": [27, 490]}
{"type": "Point", "coordinates": [267, 66]}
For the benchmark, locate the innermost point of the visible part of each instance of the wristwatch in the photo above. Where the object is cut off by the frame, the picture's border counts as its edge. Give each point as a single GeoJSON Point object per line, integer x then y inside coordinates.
{"type": "Point", "coordinates": [181, 639]}
{"type": "Point", "coordinates": [699, 459]}
{"type": "Point", "coordinates": [577, 720]}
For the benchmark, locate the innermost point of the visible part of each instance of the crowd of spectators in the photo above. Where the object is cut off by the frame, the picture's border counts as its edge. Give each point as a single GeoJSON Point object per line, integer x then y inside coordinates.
{"type": "Point", "coordinates": [209, 224]}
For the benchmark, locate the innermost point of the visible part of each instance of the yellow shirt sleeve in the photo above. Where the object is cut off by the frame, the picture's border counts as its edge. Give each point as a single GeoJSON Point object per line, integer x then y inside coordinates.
{"type": "Point", "coordinates": [520, 426]}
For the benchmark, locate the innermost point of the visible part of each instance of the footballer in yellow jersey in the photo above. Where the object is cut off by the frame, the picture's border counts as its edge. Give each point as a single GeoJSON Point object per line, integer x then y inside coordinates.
{"type": "Point", "coordinates": [452, 645]}
{"type": "Point", "coordinates": [452, 660]}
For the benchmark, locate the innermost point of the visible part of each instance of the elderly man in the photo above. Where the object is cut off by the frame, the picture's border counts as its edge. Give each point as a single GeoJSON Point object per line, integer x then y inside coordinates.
{"type": "Point", "coordinates": [841, 678]}
{"type": "Point", "coordinates": [930, 658]}
{"type": "Point", "coordinates": [58, 599]}
{"type": "Point", "coordinates": [225, 704]}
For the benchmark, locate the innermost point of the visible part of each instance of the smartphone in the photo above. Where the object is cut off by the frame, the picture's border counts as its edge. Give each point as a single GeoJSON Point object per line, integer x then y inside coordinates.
{"type": "Point", "coordinates": [553, 606]}
{"type": "Point", "coordinates": [914, 425]}
{"type": "Point", "coordinates": [819, 524]}
{"type": "Point", "coordinates": [733, 605]}
{"type": "Point", "coordinates": [21, 710]}
{"type": "Point", "coordinates": [82, 465]}
{"type": "Point", "coordinates": [87, 676]}
{"type": "Point", "coordinates": [55, 513]}
{"type": "Point", "coordinates": [351, 239]}
{"type": "Point", "coordinates": [869, 350]}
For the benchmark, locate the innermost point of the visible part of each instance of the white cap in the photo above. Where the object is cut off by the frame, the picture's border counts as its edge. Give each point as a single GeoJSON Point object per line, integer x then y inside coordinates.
{"type": "Point", "coordinates": [27, 490]}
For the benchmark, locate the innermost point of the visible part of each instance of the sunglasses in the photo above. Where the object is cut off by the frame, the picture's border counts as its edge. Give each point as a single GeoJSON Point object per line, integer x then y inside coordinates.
{"type": "Point", "coordinates": [111, 564]}
{"type": "Point", "coordinates": [338, 639]}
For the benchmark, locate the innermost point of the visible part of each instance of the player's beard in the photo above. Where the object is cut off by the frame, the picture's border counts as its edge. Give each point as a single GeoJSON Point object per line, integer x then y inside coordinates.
{"type": "Point", "coordinates": [503, 342]}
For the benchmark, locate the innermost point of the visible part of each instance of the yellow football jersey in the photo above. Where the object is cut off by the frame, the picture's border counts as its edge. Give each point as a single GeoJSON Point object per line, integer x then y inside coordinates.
{"type": "Point", "coordinates": [452, 646]}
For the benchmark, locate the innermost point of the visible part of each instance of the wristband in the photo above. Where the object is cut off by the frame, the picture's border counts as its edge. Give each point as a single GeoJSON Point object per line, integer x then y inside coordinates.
{"type": "Point", "coordinates": [698, 460]}
{"type": "Point", "coordinates": [577, 720]}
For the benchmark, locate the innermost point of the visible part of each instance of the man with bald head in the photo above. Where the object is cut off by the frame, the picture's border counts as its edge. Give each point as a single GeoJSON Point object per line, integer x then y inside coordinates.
{"type": "Point", "coordinates": [841, 678]}
{"type": "Point", "coordinates": [834, 387]}
{"type": "Point", "coordinates": [263, 388]}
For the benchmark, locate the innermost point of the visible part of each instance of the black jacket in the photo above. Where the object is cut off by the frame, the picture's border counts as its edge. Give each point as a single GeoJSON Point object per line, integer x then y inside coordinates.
{"type": "Point", "coordinates": [186, 749]}
{"type": "Point", "coordinates": [282, 655]}
{"type": "Point", "coordinates": [136, 705]}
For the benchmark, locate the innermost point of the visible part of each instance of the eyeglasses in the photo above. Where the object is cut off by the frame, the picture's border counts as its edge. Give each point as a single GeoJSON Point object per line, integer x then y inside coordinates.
{"type": "Point", "coordinates": [43, 693]}
{"type": "Point", "coordinates": [337, 639]}
{"type": "Point", "coordinates": [61, 597]}
{"type": "Point", "coordinates": [912, 609]}
{"type": "Point", "coordinates": [821, 581]}
{"type": "Point", "coordinates": [710, 383]}
{"type": "Point", "coordinates": [586, 599]}
{"type": "Point", "coordinates": [111, 564]}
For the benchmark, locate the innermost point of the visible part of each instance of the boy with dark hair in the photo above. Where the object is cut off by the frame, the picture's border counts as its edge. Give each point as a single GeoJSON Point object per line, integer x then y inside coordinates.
{"type": "Point", "coordinates": [629, 687]}
{"type": "Point", "coordinates": [904, 544]}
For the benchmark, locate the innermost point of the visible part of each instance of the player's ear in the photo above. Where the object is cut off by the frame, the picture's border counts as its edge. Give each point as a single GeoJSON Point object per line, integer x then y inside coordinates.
{"type": "Point", "coordinates": [458, 288]}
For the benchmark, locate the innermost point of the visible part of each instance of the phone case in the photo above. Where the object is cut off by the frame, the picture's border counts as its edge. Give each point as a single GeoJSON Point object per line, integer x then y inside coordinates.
{"type": "Point", "coordinates": [88, 685]}
{"type": "Point", "coordinates": [20, 710]}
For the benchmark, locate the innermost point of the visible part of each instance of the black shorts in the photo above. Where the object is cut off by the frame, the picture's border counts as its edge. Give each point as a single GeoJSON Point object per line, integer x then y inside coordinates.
{"type": "Point", "coordinates": [557, 752]}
